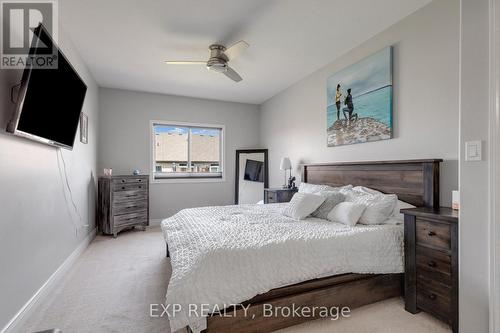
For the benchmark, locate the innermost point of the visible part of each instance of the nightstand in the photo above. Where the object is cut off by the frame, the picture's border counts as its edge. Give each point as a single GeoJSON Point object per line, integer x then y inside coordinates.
{"type": "Point", "coordinates": [275, 195]}
{"type": "Point", "coordinates": [431, 262]}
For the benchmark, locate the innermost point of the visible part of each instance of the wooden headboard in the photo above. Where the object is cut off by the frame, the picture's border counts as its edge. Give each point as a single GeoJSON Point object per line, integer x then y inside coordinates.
{"type": "Point", "coordinates": [414, 181]}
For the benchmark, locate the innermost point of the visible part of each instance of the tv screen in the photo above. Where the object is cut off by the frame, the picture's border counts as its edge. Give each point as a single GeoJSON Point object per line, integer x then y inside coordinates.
{"type": "Point", "coordinates": [50, 99]}
{"type": "Point", "coordinates": [254, 171]}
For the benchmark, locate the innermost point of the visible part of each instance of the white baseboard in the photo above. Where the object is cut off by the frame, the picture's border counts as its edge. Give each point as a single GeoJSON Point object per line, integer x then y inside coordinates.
{"type": "Point", "coordinates": [155, 222]}
{"type": "Point", "coordinates": [15, 324]}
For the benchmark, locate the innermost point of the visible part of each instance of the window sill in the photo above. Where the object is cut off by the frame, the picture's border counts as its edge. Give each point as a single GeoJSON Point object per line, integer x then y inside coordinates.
{"type": "Point", "coordinates": [154, 180]}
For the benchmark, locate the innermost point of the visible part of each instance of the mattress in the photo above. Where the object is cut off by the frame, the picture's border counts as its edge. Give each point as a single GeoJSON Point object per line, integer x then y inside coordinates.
{"type": "Point", "coordinates": [224, 255]}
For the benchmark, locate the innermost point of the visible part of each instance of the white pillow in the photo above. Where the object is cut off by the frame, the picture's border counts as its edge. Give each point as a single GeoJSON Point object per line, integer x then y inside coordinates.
{"type": "Point", "coordinates": [332, 199]}
{"type": "Point", "coordinates": [397, 210]}
{"type": "Point", "coordinates": [302, 205]}
{"type": "Point", "coordinates": [347, 213]}
{"type": "Point", "coordinates": [366, 190]}
{"type": "Point", "coordinates": [313, 188]}
{"type": "Point", "coordinates": [379, 207]}
{"type": "Point", "coordinates": [316, 188]}
{"type": "Point", "coordinates": [344, 188]}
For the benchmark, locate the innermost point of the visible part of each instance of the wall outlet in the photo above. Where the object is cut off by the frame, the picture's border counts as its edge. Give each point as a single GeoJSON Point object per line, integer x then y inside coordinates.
{"type": "Point", "coordinates": [473, 151]}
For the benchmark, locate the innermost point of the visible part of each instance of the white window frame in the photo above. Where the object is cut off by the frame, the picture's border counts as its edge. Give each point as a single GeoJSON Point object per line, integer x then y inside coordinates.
{"type": "Point", "coordinates": [200, 179]}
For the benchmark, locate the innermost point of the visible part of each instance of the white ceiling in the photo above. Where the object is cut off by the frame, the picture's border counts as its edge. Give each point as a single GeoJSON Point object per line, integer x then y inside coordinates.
{"type": "Point", "coordinates": [124, 42]}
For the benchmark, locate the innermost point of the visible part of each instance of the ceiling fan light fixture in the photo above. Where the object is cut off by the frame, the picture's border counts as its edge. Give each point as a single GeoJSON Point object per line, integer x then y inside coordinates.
{"type": "Point", "coordinates": [219, 68]}
{"type": "Point", "coordinates": [218, 61]}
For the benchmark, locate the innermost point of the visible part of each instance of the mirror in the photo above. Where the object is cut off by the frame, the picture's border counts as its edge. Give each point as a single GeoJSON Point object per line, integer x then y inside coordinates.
{"type": "Point", "coordinates": [252, 176]}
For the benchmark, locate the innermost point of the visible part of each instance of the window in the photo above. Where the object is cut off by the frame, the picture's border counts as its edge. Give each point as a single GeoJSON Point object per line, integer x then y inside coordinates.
{"type": "Point", "coordinates": [187, 151]}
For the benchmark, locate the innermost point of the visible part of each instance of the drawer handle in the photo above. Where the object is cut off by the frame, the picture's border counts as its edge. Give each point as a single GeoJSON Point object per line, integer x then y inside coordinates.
{"type": "Point", "coordinates": [140, 180]}
{"type": "Point", "coordinates": [123, 180]}
{"type": "Point", "coordinates": [123, 187]}
{"type": "Point", "coordinates": [431, 264]}
{"type": "Point", "coordinates": [431, 233]}
{"type": "Point", "coordinates": [432, 296]}
{"type": "Point", "coordinates": [140, 186]}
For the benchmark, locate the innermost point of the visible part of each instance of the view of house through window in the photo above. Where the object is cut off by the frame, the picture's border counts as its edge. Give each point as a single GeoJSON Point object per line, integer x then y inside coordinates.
{"type": "Point", "coordinates": [187, 151]}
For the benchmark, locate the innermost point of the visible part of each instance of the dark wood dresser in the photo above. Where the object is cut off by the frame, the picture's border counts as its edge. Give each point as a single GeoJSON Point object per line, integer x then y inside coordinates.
{"type": "Point", "coordinates": [276, 195]}
{"type": "Point", "coordinates": [431, 262]}
{"type": "Point", "coordinates": [123, 203]}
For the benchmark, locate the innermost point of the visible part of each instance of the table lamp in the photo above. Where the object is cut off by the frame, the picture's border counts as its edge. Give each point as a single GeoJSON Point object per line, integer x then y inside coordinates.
{"type": "Point", "coordinates": [286, 165]}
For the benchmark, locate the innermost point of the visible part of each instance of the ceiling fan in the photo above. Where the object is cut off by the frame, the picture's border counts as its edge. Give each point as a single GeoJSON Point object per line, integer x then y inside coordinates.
{"type": "Point", "coordinates": [219, 58]}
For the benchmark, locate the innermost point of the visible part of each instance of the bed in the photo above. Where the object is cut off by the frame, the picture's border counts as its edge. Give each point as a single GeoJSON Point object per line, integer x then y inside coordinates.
{"type": "Point", "coordinates": [252, 255]}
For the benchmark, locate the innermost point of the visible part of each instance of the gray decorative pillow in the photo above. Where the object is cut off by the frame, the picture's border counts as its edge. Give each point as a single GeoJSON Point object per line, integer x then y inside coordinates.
{"type": "Point", "coordinates": [302, 205]}
{"type": "Point", "coordinates": [332, 199]}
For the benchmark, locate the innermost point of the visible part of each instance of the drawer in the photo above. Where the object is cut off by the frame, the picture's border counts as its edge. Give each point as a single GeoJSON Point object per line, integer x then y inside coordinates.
{"type": "Point", "coordinates": [433, 265]}
{"type": "Point", "coordinates": [131, 218]}
{"type": "Point", "coordinates": [271, 197]}
{"type": "Point", "coordinates": [131, 195]}
{"type": "Point", "coordinates": [129, 186]}
{"type": "Point", "coordinates": [285, 196]}
{"type": "Point", "coordinates": [130, 180]}
{"type": "Point", "coordinates": [433, 234]}
{"type": "Point", "coordinates": [129, 207]}
{"type": "Point", "coordinates": [434, 298]}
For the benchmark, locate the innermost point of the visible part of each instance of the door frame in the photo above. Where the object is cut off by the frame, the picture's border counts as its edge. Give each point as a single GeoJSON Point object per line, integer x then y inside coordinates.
{"type": "Point", "coordinates": [494, 165]}
{"type": "Point", "coordinates": [237, 173]}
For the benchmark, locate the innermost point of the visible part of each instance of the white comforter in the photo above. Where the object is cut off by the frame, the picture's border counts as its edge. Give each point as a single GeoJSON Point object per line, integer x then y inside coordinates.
{"type": "Point", "coordinates": [229, 254]}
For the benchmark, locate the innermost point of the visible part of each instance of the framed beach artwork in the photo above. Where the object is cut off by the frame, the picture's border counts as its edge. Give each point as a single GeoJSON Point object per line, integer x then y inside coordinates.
{"type": "Point", "coordinates": [359, 101]}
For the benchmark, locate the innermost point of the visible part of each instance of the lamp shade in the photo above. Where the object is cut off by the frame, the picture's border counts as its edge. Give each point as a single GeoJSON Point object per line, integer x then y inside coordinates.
{"type": "Point", "coordinates": [285, 164]}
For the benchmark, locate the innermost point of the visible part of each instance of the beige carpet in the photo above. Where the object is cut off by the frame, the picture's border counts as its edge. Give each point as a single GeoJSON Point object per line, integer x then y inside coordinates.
{"type": "Point", "coordinates": [113, 283]}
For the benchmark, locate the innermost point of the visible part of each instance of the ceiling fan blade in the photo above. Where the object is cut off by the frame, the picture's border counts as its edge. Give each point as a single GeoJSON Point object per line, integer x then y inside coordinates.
{"type": "Point", "coordinates": [185, 62]}
{"type": "Point", "coordinates": [236, 49]}
{"type": "Point", "coordinates": [231, 73]}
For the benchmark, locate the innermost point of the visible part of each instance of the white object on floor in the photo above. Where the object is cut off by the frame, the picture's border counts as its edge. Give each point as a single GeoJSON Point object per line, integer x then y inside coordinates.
{"type": "Point", "coordinates": [229, 254]}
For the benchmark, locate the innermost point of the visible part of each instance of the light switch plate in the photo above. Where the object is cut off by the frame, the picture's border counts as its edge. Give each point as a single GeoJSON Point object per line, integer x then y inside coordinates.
{"type": "Point", "coordinates": [473, 151]}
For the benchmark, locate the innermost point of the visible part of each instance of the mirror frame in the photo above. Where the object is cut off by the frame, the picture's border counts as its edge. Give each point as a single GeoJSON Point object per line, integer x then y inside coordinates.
{"type": "Point", "coordinates": [237, 167]}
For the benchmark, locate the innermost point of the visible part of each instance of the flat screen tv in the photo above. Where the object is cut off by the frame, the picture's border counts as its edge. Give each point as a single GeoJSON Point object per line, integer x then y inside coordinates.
{"type": "Point", "coordinates": [254, 171]}
{"type": "Point", "coordinates": [50, 100]}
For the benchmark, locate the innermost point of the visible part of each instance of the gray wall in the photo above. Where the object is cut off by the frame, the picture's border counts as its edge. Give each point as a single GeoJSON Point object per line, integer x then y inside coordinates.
{"type": "Point", "coordinates": [39, 230]}
{"type": "Point", "coordinates": [124, 142]}
{"type": "Point", "coordinates": [426, 46]}
{"type": "Point", "coordinates": [474, 176]}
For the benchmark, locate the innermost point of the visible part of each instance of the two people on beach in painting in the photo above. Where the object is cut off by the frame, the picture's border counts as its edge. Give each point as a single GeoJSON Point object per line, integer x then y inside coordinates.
{"type": "Point", "coordinates": [338, 95]}
{"type": "Point", "coordinates": [349, 109]}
